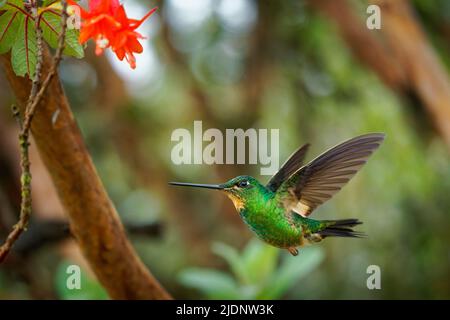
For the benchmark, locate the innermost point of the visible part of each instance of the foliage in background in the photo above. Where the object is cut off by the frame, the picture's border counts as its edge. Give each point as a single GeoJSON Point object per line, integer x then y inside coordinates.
{"type": "Point", "coordinates": [258, 272]}
{"type": "Point", "coordinates": [90, 289]}
{"type": "Point", "coordinates": [315, 91]}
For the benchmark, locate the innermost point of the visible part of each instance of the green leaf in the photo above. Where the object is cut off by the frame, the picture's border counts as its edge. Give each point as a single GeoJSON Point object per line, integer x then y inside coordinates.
{"type": "Point", "coordinates": [2, 3]}
{"type": "Point", "coordinates": [260, 260]}
{"type": "Point", "coordinates": [24, 49]}
{"type": "Point", "coordinates": [47, 3]}
{"type": "Point", "coordinates": [14, 3]}
{"type": "Point", "coordinates": [9, 26]}
{"type": "Point", "coordinates": [291, 271]}
{"type": "Point", "coordinates": [232, 257]}
{"type": "Point", "coordinates": [214, 284]}
{"type": "Point", "coordinates": [51, 28]}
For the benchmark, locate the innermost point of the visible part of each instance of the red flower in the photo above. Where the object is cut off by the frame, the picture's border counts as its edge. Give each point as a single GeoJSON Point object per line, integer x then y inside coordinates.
{"type": "Point", "coordinates": [107, 24]}
{"type": "Point", "coordinates": [125, 40]}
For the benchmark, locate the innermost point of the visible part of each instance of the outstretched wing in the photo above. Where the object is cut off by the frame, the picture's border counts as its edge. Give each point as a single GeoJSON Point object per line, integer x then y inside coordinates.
{"type": "Point", "coordinates": [324, 176]}
{"type": "Point", "coordinates": [294, 162]}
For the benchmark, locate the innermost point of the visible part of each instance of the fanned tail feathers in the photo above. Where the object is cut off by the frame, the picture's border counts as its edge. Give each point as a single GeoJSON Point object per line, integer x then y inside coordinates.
{"type": "Point", "coordinates": [342, 228]}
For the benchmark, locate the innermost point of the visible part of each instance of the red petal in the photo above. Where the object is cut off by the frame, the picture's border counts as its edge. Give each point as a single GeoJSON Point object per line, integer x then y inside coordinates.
{"type": "Point", "coordinates": [136, 23]}
{"type": "Point", "coordinates": [114, 4]}
{"type": "Point", "coordinates": [120, 53]}
{"type": "Point", "coordinates": [119, 39]}
{"type": "Point", "coordinates": [85, 34]}
{"type": "Point", "coordinates": [121, 16]}
{"type": "Point", "coordinates": [105, 6]}
{"type": "Point", "coordinates": [134, 45]}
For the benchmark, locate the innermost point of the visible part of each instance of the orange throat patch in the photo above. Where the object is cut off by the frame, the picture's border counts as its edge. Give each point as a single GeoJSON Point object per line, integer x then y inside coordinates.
{"type": "Point", "coordinates": [238, 203]}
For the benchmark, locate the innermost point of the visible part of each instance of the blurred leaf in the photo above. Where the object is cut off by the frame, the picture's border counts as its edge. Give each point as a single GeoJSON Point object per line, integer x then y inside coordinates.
{"type": "Point", "coordinates": [90, 288]}
{"type": "Point", "coordinates": [291, 271]}
{"type": "Point", "coordinates": [232, 257]}
{"type": "Point", "coordinates": [214, 284]}
{"type": "Point", "coordinates": [140, 206]}
{"type": "Point", "coordinates": [260, 260]}
{"type": "Point", "coordinates": [248, 292]}
{"type": "Point", "coordinates": [256, 271]}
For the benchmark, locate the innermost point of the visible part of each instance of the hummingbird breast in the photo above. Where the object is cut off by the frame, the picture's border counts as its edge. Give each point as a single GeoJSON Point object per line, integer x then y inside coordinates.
{"type": "Point", "coordinates": [269, 222]}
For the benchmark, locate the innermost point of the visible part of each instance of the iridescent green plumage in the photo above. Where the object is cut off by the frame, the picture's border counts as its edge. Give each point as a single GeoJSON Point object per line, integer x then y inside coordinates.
{"type": "Point", "coordinates": [278, 212]}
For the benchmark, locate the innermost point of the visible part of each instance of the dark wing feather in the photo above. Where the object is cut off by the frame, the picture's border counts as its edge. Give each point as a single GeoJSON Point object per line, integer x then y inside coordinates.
{"type": "Point", "coordinates": [324, 176]}
{"type": "Point", "coordinates": [294, 162]}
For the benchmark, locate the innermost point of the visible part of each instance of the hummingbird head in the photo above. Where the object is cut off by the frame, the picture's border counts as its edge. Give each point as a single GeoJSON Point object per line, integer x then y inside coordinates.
{"type": "Point", "coordinates": [239, 189]}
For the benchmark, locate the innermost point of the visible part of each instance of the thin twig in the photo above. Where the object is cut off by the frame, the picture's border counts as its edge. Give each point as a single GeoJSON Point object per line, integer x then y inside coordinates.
{"type": "Point", "coordinates": [16, 114]}
{"type": "Point", "coordinates": [36, 94]}
{"type": "Point", "coordinates": [37, 75]}
{"type": "Point", "coordinates": [56, 59]}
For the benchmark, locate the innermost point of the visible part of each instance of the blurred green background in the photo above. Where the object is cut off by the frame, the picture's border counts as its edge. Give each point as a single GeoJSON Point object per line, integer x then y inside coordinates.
{"type": "Point", "coordinates": [245, 64]}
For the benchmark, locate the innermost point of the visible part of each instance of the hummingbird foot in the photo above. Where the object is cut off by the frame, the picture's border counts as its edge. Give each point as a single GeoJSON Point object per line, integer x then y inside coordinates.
{"type": "Point", "coordinates": [293, 251]}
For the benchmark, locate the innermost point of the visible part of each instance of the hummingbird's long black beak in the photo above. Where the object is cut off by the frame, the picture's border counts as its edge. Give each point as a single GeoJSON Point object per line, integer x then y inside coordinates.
{"type": "Point", "coordinates": [197, 185]}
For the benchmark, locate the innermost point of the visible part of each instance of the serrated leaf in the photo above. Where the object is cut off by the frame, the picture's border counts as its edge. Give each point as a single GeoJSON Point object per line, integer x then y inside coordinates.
{"type": "Point", "coordinates": [51, 28]}
{"type": "Point", "coordinates": [24, 49]}
{"type": "Point", "coordinates": [9, 26]}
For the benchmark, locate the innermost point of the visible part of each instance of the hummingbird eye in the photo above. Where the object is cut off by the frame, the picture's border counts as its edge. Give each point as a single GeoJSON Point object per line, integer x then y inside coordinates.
{"type": "Point", "coordinates": [243, 184]}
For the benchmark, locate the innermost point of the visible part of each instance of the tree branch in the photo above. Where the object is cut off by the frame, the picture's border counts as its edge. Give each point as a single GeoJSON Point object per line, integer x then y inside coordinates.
{"type": "Point", "coordinates": [25, 179]}
{"type": "Point", "coordinates": [94, 220]}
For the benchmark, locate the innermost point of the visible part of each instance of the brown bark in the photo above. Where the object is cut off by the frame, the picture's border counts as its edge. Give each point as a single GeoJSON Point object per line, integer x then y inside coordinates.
{"type": "Point", "coordinates": [94, 220]}
{"type": "Point", "coordinates": [399, 53]}
{"type": "Point", "coordinates": [9, 176]}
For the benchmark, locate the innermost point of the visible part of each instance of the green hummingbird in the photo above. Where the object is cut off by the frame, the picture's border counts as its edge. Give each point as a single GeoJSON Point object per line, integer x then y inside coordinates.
{"type": "Point", "coordinates": [278, 212]}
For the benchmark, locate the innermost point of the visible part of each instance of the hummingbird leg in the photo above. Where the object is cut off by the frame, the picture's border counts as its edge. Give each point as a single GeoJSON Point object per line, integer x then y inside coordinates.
{"type": "Point", "coordinates": [293, 251]}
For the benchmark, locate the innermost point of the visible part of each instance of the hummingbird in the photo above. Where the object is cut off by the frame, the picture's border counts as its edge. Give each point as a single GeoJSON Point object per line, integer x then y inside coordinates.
{"type": "Point", "coordinates": [278, 212]}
